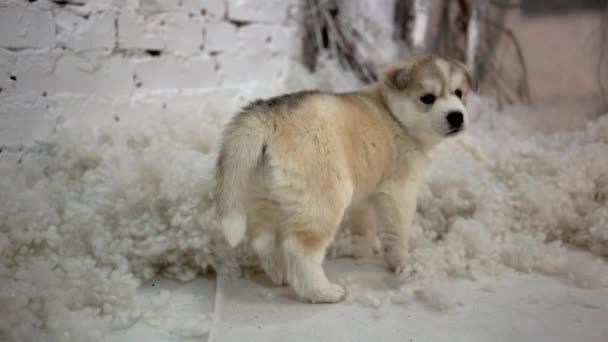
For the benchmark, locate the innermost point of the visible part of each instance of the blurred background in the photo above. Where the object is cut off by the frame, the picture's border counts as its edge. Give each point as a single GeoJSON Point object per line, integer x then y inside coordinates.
{"type": "Point", "coordinates": [68, 61]}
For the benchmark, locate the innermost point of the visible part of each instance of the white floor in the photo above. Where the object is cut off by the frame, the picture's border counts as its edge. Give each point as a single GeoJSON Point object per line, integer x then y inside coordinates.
{"type": "Point", "coordinates": [515, 308]}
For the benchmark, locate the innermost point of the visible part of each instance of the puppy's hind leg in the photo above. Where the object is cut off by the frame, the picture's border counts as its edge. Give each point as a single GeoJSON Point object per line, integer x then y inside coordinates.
{"type": "Point", "coordinates": [363, 230]}
{"type": "Point", "coordinates": [270, 257]}
{"type": "Point", "coordinates": [263, 241]}
{"type": "Point", "coordinates": [304, 246]}
{"type": "Point", "coordinates": [304, 261]}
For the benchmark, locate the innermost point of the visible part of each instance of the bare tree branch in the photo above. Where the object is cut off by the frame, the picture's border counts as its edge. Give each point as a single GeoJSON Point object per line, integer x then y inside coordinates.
{"type": "Point", "coordinates": [323, 29]}
{"type": "Point", "coordinates": [403, 17]}
{"type": "Point", "coordinates": [602, 60]}
{"type": "Point", "coordinates": [523, 88]}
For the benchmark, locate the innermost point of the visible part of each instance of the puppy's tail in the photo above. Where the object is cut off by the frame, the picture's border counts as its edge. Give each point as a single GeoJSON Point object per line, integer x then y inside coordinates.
{"type": "Point", "coordinates": [243, 143]}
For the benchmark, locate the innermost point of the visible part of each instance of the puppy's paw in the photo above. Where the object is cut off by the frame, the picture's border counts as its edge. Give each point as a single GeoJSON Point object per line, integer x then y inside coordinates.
{"type": "Point", "coordinates": [376, 246]}
{"type": "Point", "coordinates": [277, 275]}
{"type": "Point", "coordinates": [365, 246]}
{"type": "Point", "coordinates": [401, 269]}
{"type": "Point", "coordinates": [396, 258]}
{"type": "Point", "coordinates": [332, 293]}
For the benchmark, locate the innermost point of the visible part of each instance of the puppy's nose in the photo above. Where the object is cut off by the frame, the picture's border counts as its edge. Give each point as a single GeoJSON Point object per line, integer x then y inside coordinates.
{"type": "Point", "coordinates": [455, 119]}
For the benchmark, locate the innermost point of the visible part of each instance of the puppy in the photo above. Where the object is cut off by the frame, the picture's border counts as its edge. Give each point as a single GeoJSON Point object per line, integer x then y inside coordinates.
{"type": "Point", "coordinates": [291, 166]}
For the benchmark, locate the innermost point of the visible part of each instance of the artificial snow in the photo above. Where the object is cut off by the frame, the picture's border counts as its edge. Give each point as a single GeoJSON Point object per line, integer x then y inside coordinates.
{"type": "Point", "coordinates": [100, 211]}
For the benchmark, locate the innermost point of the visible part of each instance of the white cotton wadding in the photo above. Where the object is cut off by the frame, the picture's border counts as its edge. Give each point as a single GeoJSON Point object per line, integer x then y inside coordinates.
{"type": "Point", "coordinates": [378, 314]}
{"type": "Point", "coordinates": [375, 298]}
{"type": "Point", "coordinates": [403, 296]}
{"type": "Point", "coordinates": [156, 309]}
{"type": "Point", "coordinates": [370, 298]}
{"type": "Point", "coordinates": [198, 326]}
{"type": "Point", "coordinates": [488, 287]}
{"type": "Point", "coordinates": [473, 236]}
{"type": "Point", "coordinates": [160, 310]}
{"type": "Point", "coordinates": [436, 295]}
{"type": "Point", "coordinates": [269, 294]}
{"type": "Point", "coordinates": [586, 271]}
{"type": "Point", "coordinates": [357, 294]}
{"type": "Point", "coordinates": [587, 299]}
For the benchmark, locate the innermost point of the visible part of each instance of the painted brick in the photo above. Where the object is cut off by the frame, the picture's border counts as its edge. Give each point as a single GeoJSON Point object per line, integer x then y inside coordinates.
{"type": "Point", "coordinates": [220, 37]}
{"type": "Point", "coordinates": [46, 5]}
{"type": "Point", "coordinates": [270, 11]}
{"type": "Point", "coordinates": [165, 73]}
{"type": "Point", "coordinates": [182, 35]}
{"type": "Point", "coordinates": [79, 5]}
{"type": "Point", "coordinates": [25, 28]}
{"type": "Point", "coordinates": [84, 110]}
{"type": "Point", "coordinates": [214, 8]}
{"type": "Point", "coordinates": [265, 37]}
{"type": "Point", "coordinates": [93, 75]}
{"type": "Point", "coordinates": [175, 33]}
{"type": "Point", "coordinates": [7, 64]}
{"type": "Point", "coordinates": [34, 72]}
{"type": "Point", "coordinates": [225, 37]}
{"type": "Point", "coordinates": [132, 34]}
{"type": "Point", "coordinates": [259, 67]}
{"type": "Point", "coordinates": [209, 101]}
{"type": "Point", "coordinates": [81, 34]}
{"type": "Point", "coordinates": [24, 120]}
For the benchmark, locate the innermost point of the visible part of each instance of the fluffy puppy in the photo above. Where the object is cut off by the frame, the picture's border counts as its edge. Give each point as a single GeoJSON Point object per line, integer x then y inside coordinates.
{"type": "Point", "coordinates": [291, 166]}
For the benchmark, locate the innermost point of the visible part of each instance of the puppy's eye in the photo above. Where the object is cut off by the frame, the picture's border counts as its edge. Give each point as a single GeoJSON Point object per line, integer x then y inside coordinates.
{"type": "Point", "coordinates": [458, 93]}
{"type": "Point", "coordinates": [428, 98]}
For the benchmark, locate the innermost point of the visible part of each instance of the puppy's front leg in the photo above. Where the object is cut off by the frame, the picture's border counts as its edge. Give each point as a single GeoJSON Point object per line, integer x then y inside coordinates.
{"type": "Point", "coordinates": [363, 230]}
{"type": "Point", "coordinates": [395, 205]}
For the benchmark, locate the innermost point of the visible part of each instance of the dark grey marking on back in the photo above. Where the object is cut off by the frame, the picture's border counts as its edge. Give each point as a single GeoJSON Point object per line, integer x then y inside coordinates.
{"type": "Point", "coordinates": [258, 109]}
{"type": "Point", "coordinates": [289, 100]}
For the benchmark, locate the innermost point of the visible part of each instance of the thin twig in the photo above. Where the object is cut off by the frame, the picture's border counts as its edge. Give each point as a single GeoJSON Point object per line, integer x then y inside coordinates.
{"type": "Point", "coordinates": [506, 4]}
{"type": "Point", "coordinates": [525, 89]}
{"type": "Point", "coordinates": [602, 61]}
{"type": "Point", "coordinates": [316, 22]}
{"type": "Point", "coordinates": [323, 29]}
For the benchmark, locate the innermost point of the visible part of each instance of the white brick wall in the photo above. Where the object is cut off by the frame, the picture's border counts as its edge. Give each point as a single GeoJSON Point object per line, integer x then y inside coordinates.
{"type": "Point", "coordinates": [214, 8]}
{"type": "Point", "coordinates": [269, 11]}
{"type": "Point", "coordinates": [25, 28]}
{"type": "Point", "coordinates": [95, 60]}
{"type": "Point", "coordinates": [220, 36]}
{"type": "Point", "coordinates": [34, 73]}
{"type": "Point", "coordinates": [166, 73]}
{"type": "Point", "coordinates": [111, 75]}
{"type": "Point", "coordinates": [176, 33]}
{"type": "Point", "coordinates": [96, 32]}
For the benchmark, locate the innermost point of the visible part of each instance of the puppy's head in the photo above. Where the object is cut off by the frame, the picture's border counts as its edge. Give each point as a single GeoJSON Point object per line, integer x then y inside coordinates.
{"type": "Point", "coordinates": [427, 94]}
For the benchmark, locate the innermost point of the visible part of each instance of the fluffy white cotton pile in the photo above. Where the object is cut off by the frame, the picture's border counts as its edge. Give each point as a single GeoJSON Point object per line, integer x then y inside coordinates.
{"type": "Point", "coordinates": [100, 211]}
{"type": "Point", "coordinates": [500, 197]}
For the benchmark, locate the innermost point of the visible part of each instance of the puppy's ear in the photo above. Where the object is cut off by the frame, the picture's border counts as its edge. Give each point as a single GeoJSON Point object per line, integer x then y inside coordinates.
{"type": "Point", "coordinates": [470, 79]}
{"type": "Point", "coordinates": [398, 77]}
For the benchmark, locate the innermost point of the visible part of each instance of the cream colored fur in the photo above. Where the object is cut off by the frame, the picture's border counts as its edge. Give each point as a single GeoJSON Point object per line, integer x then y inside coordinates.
{"type": "Point", "coordinates": [290, 167]}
